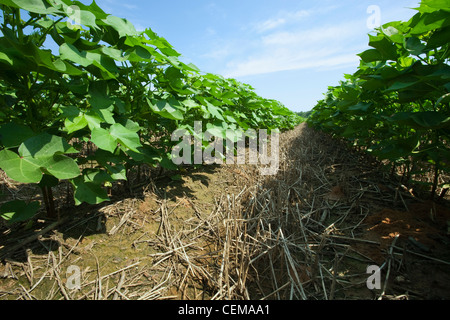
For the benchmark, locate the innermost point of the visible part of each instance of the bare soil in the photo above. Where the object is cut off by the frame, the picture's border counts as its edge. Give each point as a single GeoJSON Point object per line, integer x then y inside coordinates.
{"type": "Point", "coordinates": [227, 232]}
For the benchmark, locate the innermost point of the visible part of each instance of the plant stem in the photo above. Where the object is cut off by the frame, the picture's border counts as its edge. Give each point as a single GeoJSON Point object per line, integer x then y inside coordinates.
{"type": "Point", "coordinates": [49, 203]}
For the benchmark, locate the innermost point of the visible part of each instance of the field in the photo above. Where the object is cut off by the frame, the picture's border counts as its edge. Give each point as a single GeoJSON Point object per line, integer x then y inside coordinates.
{"type": "Point", "coordinates": [226, 232]}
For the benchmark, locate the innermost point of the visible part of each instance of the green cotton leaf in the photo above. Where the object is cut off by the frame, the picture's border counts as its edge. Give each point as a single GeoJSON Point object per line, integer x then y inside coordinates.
{"type": "Point", "coordinates": [432, 5]}
{"type": "Point", "coordinates": [60, 166]}
{"type": "Point", "coordinates": [99, 97]}
{"type": "Point", "coordinates": [371, 55]}
{"type": "Point", "coordinates": [71, 53]}
{"type": "Point", "coordinates": [113, 53]}
{"type": "Point", "coordinates": [39, 154]}
{"type": "Point", "coordinates": [75, 124]}
{"type": "Point", "coordinates": [439, 38]}
{"type": "Point", "coordinates": [429, 21]}
{"type": "Point", "coordinates": [5, 58]}
{"type": "Point", "coordinates": [19, 169]}
{"type": "Point", "coordinates": [64, 67]}
{"type": "Point", "coordinates": [215, 111]}
{"type": "Point", "coordinates": [93, 120]}
{"type": "Point", "coordinates": [431, 119]}
{"type": "Point", "coordinates": [422, 120]}
{"type": "Point", "coordinates": [89, 192]}
{"type": "Point", "coordinates": [126, 137]}
{"type": "Point", "coordinates": [397, 149]}
{"type": "Point", "coordinates": [167, 109]}
{"type": "Point", "coordinates": [190, 104]}
{"type": "Point", "coordinates": [361, 107]}
{"type": "Point", "coordinates": [384, 46]}
{"type": "Point", "coordinates": [191, 67]}
{"type": "Point", "coordinates": [86, 58]}
{"type": "Point", "coordinates": [122, 26]}
{"type": "Point", "coordinates": [167, 162]}
{"type": "Point", "coordinates": [18, 211]}
{"type": "Point", "coordinates": [399, 85]}
{"type": "Point", "coordinates": [130, 125]}
{"type": "Point", "coordinates": [13, 134]}
{"type": "Point", "coordinates": [147, 154]}
{"type": "Point", "coordinates": [35, 6]}
{"type": "Point", "coordinates": [117, 172]}
{"type": "Point", "coordinates": [100, 101]}
{"type": "Point", "coordinates": [414, 46]}
{"type": "Point", "coordinates": [44, 145]}
{"type": "Point", "coordinates": [97, 176]}
{"type": "Point", "coordinates": [117, 133]}
{"type": "Point", "coordinates": [103, 139]}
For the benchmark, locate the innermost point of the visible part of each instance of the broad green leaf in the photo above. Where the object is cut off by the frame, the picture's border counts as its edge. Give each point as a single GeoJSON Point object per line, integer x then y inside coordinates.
{"type": "Point", "coordinates": [431, 119]}
{"type": "Point", "coordinates": [93, 120]}
{"type": "Point", "coordinates": [371, 55]}
{"type": "Point", "coordinates": [35, 6]}
{"type": "Point", "coordinates": [438, 39]}
{"type": "Point", "coordinates": [75, 124]}
{"type": "Point", "coordinates": [147, 154]}
{"type": "Point", "coordinates": [18, 211]}
{"type": "Point", "coordinates": [97, 176]}
{"type": "Point", "coordinates": [113, 53]}
{"type": "Point", "coordinates": [397, 149]}
{"type": "Point", "coordinates": [423, 120]}
{"type": "Point", "coordinates": [167, 163]}
{"type": "Point", "coordinates": [60, 166]}
{"type": "Point", "coordinates": [414, 46]}
{"type": "Point", "coordinates": [399, 85]}
{"type": "Point", "coordinates": [384, 46]}
{"type": "Point", "coordinates": [44, 145]}
{"type": "Point", "coordinates": [361, 107]}
{"type": "Point", "coordinates": [117, 172]}
{"type": "Point", "coordinates": [126, 137]}
{"type": "Point", "coordinates": [13, 134]}
{"type": "Point", "coordinates": [166, 109]}
{"type": "Point", "coordinates": [216, 131]}
{"type": "Point", "coordinates": [43, 152]}
{"type": "Point", "coordinates": [89, 192]}
{"type": "Point", "coordinates": [117, 133]}
{"type": "Point", "coordinates": [103, 139]}
{"type": "Point", "coordinates": [71, 53]}
{"type": "Point", "coordinates": [429, 21]}
{"type": "Point", "coordinates": [122, 26]}
{"type": "Point", "coordinates": [20, 169]}
{"type": "Point", "coordinates": [433, 5]}
{"type": "Point", "coordinates": [5, 58]}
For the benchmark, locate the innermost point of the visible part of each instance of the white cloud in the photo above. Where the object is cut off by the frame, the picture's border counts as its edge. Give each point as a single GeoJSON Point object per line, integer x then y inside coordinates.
{"type": "Point", "coordinates": [130, 6]}
{"type": "Point", "coordinates": [286, 62]}
{"type": "Point", "coordinates": [270, 24]}
{"type": "Point", "coordinates": [305, 39]}
{"type": "Point", "coordinates": [322, 47]}
{"type": "Point", "coordinates": [283, 18]}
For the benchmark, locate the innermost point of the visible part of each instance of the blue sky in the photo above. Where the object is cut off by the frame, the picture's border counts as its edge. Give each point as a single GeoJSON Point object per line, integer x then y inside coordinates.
{"type": "Point", "coordinates": [288, 50]}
